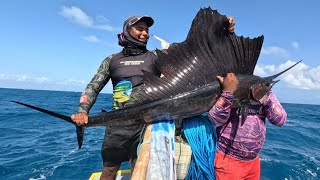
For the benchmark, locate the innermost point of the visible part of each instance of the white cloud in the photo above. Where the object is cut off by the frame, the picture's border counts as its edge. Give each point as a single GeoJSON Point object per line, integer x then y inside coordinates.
{"type": "Point", "coordinates": [78, 16]}
{"type": "Point", "coordinates": [4, 77]}
{"type": "Point", "coordinates": [260, 71]}
{"type": "Point", "coordinates": [295, 45]}
{"type": "Point", "coordinates": [104, 27]}
{"type": "Point", "coordinates": [264, 70]}
{"type": "Point", "coordinates": [36, 81]}
{"type": "Point", "coordinates": [300, 76]}
{"type": "Point", "coordinates": [23, 78]}
{"type": "Point", "coordinates": [73, 82]}
{"type": "Point", "coordinates": [91, 38]}
{"type": "Point", "coordinates": [275, 51]}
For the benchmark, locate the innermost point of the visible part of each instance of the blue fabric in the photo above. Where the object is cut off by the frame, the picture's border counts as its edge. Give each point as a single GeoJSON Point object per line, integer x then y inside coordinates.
{"type": "Point", "coordinates": [161, 163]}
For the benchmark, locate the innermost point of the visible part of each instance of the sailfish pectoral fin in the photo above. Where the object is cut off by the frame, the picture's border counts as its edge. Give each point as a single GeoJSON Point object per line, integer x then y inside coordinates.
{"type": "Point", "coordinates": [79, 129]}
{"type": "Point", "coordinates": [244, 114]}
{"type": "Point", "coordinates": [244, 109]}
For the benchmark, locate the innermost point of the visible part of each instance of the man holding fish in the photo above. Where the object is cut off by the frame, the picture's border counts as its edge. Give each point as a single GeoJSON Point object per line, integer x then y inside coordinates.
{"type": "Point", "coordinates": [124, 69]}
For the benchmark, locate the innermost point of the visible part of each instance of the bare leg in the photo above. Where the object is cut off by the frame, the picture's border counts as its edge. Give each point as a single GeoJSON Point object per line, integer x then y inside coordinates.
{"type": "Point", "coordinates": [109, 173]}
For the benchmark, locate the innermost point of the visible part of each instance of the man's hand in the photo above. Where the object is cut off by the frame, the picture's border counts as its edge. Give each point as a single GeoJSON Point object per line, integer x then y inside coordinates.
{"type": "Point", "coordinates": [229, 83]}
{"type": "Point", "coordinates": [80, 118]}
{"type": "Point", "coordinates": [264, 99]}
{"type": "Point", "coordinates": [232, 24]}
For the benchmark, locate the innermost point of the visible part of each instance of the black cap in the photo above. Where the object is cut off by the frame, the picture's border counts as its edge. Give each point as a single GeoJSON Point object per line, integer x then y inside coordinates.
{"type": "Point", "coordinates": [134, 19]}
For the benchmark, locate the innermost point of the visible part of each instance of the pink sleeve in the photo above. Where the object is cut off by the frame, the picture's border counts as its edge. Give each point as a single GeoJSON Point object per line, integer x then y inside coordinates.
{"type": "Point", "coordinates": [220, 112]}
{"type": "Point", "coordinates": [274, 111]}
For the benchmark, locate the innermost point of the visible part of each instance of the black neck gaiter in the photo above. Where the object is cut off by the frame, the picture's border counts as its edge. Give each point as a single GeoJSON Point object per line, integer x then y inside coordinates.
{"type": "Point", "coordinates": [131, 46]}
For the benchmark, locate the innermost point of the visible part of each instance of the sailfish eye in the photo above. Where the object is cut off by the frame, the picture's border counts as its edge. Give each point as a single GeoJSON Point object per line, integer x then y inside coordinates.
{"type": "Point", "coordinates": [267, 84]}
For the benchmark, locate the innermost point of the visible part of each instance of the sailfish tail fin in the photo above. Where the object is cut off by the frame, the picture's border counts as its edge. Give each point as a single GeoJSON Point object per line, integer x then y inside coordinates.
{"type": "Point", "coordinates": [80, 135]}
{"type": "Point", "coordinates": [79, 129]}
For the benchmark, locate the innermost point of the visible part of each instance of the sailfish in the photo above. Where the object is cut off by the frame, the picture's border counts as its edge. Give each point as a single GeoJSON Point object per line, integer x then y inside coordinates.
{"type": "Point", "coordinates": [188, 85]}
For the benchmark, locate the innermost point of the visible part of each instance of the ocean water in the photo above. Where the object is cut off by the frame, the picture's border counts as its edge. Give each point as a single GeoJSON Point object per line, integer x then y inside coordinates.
{"type": "Point", "coordinates": [35, 146]}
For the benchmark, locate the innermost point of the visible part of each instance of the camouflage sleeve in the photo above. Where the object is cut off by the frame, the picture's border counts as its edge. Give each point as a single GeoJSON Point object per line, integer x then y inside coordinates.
{"type": "Point", "coordinates": [90, 94]}
{"type": "Point", "coordinates": [220, 112]}
{"type": "Point", "coordinates": [274, 111]}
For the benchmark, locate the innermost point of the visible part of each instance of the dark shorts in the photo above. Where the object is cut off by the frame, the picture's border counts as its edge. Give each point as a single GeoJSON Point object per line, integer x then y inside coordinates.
{"type": "Point", "coordinates": [120, 144]}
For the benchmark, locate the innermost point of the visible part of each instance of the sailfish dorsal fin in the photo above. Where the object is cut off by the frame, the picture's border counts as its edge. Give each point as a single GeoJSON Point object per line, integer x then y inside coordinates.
{"type": "Point", "coordinates": [209, 50]}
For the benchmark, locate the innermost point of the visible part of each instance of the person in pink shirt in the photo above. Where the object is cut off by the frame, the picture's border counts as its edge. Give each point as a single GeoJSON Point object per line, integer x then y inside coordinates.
{"type": "Point", "coordinates": [239, 145]}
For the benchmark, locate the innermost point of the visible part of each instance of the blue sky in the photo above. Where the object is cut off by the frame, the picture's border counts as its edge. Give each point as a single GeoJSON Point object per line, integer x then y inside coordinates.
{"type": "Point", "coordinates": [58, 45]}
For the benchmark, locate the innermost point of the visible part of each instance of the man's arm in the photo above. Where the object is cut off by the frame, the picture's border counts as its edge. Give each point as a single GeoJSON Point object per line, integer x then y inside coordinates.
{"type": "Point", "coordinates": [99, 80]}
{"type": "Point", "coordinates": [90, 94]}
{"type": "Point", "coordinates": [220, 112]}
{"type": "Point", "coordinates": [274, 111]}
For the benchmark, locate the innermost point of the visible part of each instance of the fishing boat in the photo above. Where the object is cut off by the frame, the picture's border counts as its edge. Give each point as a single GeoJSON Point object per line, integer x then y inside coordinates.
{"type": "Point", "coordinates": [183, 157]}
{"type": "Point", "coordinates": [124, 174]}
